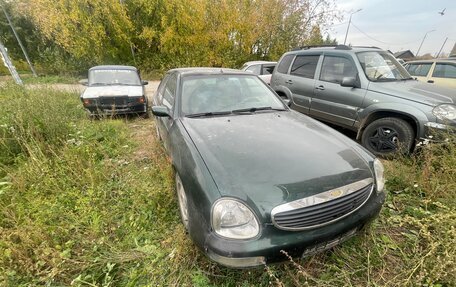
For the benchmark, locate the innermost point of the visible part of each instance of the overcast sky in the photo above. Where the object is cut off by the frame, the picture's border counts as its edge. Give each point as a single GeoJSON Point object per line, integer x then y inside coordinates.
{"type": "Point", "coordinates": [398, 24]}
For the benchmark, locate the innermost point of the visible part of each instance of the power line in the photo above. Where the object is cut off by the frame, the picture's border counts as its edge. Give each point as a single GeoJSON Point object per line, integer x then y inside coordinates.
{"type": "Point", "coordinates": [335, 25]}
{"type": "Point", "coordinates": [386, 43]}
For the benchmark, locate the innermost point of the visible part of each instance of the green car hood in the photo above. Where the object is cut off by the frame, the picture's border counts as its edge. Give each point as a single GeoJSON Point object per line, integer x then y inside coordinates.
{"type": "Point", "coordinates": [270, 158]}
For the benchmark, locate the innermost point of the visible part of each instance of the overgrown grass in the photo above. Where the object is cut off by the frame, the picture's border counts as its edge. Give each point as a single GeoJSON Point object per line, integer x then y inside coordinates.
{"type": "Point", "coordinates": [91, 203]}
{"type": "Point", "coordinates": [49, 79]}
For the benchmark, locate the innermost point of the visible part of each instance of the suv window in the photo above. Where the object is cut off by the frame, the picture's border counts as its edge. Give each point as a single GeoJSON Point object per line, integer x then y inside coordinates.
{"type": "Point", "coordinates": [255, 69]}
{"type": "Point", "coordinates": [285, 64]}
{"type": "Point", "coordinates": [420, 70]}
{"type": "Point", "coordinates": [267, 69]}
{"type": "Point", "coordinates": [444, 70]}
{"type": "Point", "coordinates": [170, 91]}
{"type": "Point", "coordinates": [334, 69]}
{"type": "Point", "coordinates": [305, 66]}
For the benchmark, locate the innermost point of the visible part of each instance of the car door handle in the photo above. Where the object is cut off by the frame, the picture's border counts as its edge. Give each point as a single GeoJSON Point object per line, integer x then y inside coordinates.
{"type": "Point", "coordinates": [431, 81]}
{"type": "Point", "coordinates": [289, 82]}
{"type": "Point", "coordinates": [320, 87]}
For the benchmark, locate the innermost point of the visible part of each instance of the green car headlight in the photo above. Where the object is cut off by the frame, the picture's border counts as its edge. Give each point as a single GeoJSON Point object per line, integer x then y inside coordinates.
{"type": "Point", "coordinates": [233, 219]}
{"type": "Point", "coordinates": [379, 175]}
{"type": "Point", "coordinates": [445, 112]}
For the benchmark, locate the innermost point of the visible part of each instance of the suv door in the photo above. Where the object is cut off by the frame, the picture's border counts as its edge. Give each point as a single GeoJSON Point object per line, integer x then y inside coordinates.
{"type": "Point", "coordinates": [332, 102]}
{"type": "Point", "coordinates": [301, 81]}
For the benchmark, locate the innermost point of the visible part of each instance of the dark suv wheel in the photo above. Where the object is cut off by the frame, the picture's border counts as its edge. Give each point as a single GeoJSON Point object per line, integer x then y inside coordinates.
{"type": "Point", "coordinates": [388, 136]}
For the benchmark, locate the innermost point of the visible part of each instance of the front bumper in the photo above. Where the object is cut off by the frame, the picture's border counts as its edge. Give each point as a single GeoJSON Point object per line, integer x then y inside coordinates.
{"type": "Point", "coordinates": [127, 106]}
{"type": "Point", "coordinates": [274, 245]}
{"type": "Point", "coordinates": [437, 131]}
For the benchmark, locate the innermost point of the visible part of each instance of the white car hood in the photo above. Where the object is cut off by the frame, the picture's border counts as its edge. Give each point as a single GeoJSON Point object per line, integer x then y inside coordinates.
{"type": "Point", "coordinates": [112, 91]}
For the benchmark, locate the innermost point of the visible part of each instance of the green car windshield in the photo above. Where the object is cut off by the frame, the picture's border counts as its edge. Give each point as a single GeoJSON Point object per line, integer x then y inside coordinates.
{"type": "Point", "coordinates": [382, 67]}
{"type": "Point", "coordinates": [224, 94]}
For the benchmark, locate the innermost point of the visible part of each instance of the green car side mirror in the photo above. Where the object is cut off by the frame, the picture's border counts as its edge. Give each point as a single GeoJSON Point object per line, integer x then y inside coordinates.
{"type": "Point", "coordinates": [160, 111]}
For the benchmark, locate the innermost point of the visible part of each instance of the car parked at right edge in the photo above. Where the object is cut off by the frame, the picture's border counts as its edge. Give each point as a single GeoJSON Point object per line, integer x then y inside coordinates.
{"type": "Point", "coordinates": [440, 72]}
{"type": "Point", "coordinates": [366, 90]}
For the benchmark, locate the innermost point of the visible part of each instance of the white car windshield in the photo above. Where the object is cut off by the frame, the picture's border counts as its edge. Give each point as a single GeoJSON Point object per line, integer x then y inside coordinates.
{"type": "Point", "coordinates": [382, 67]}
{"type": "Point", "coordinates": [226, 94]}
{"type": "Point", "coordinates": [107, 77]}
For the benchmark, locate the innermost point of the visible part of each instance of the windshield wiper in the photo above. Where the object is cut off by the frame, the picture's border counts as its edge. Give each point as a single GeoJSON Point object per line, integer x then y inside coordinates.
{"type": "Point", "coordinates": [409, 78]}
{"type": "Point", "coordinates": [98, 84]}
{"type": "Point", "coordinates": [387, 80]}
{"type": "Point", "coordinates": [208, 114]}
{"type": "Point", "coordinates": [254, 109]}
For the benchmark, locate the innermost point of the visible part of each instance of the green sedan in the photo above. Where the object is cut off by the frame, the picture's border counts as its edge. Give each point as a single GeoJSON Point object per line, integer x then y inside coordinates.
{"type": "Point", "coordinates": [254, 179]}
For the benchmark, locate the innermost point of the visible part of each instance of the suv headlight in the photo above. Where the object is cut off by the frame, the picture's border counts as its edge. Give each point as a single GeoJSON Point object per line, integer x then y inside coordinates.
{"type": "Point", "coordinates": [233, 219]}
{"type": "Point", "coordinates": [445, 112]}
{"type": "Point", "coordinates": [379, 178]}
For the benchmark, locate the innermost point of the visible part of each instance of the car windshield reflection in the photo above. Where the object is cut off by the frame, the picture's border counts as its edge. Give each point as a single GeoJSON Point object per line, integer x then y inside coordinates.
{"type": "Point", "coordinates": [226, 94]}
{"type": "Point", "coordinates": [109, 77]}
{"type": "Point", "coordinates": [382, 67]}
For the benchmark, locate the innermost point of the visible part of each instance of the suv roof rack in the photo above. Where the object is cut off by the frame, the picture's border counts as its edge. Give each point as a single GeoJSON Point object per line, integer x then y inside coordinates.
{"type": "Point", "coordinates": [373, 47]}
{"type": "Point", "coordinates": [337, 47]}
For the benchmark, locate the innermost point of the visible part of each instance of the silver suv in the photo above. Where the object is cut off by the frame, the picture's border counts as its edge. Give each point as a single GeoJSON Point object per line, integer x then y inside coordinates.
{"type": "Point", "coordinates": [366, 90]}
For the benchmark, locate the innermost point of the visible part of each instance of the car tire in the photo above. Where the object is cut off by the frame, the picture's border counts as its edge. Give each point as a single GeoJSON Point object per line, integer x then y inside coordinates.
{"type": "Point", "coordinates": [182, 200]}
{"type": "Point", "coordinates": [388, 137]}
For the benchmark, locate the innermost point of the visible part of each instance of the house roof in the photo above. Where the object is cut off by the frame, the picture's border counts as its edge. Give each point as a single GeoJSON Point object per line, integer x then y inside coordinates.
{"type": "Point", "coordinates": [406, 53]}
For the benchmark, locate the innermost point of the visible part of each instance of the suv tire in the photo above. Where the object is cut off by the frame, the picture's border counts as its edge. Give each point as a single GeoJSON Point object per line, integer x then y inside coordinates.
{"type": "Point", "coordinates": [388, 136]}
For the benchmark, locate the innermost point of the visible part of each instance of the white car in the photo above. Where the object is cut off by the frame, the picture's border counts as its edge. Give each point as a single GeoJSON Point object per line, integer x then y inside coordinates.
{"type": "Point", "coordinates": [263, 69]}
{"type": "Point", "coordinates": [114, 90]}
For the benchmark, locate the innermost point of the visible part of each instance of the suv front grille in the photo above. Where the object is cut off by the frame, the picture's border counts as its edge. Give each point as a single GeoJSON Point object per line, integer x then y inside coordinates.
{"type": "Point", "coordinates": [323, 208]}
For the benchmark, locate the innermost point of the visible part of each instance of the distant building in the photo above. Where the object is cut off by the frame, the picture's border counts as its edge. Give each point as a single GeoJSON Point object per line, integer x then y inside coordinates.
{"type": "Point", "coordinates": [405, 55]}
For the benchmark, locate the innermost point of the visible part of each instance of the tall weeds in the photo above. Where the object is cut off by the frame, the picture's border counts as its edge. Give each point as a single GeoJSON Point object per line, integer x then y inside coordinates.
{"type": "Point", "coordinates": [91, 203]}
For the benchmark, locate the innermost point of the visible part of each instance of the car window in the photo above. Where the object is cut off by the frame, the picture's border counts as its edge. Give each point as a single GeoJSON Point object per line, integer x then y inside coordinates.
{"type": "Point", "coordinates": [108, 77]}
{"type": "Point", "coordinates": [444, 70]}
{"type": "Point", "coordinates": [161, 89]}
{"type": "Point", "coordinates": [255, 69]}
{"type": "Point", "coordinates": [419, 69]}
{"type": "Point", "coordinates": [221, 93]}
{"type": "Point", "coordinates": [170, 91]}
{"type": "Point", "coordinates": [335, 68]}
{"type": "Point", "coordinates": [285, 64]}
{"type": "Point", "coordinates": [268, 69]}
{"type": "Point", "coordinates": [305, 66]}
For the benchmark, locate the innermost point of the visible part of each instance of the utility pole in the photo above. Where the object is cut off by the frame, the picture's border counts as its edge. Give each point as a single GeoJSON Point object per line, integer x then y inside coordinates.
{"type": "Point", "coordinates": [18, 40]}
{"type": "Point", "coordinates": [441, 48]}
{"type": "Point", "coordinates": [423, 41]}
{"type": "Point", "coordinates": [349, 22]}
{"type": "Point", "coordinates": [9, 64]}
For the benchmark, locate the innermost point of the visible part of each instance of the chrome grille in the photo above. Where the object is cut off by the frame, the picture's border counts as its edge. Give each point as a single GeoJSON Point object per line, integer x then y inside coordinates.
{"type": "Point", "coordinates": [323, 208]}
